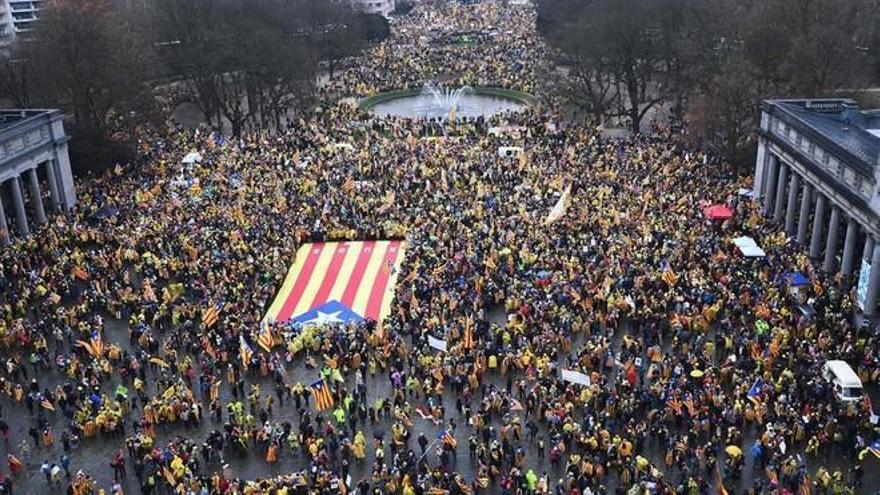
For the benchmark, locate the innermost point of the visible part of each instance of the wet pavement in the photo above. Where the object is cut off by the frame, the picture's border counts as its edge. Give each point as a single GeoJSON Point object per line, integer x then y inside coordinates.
{"type": "Point", "coordinates": [94, 454]}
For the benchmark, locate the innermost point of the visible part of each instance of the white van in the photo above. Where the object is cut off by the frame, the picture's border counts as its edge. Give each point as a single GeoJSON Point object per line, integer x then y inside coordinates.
{"type": "Point", "coordinates": [847, 386]}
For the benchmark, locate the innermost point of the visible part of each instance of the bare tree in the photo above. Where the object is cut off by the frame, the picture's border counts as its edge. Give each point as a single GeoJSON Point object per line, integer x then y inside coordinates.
{"type": "Point", "coordinates": [617, 55]}
{"type": "Point", "coordinates": [709, 61]}
{"type": "Point", "coordinates": [250, 62]}
{"type": "Point", "coordinates": [778, 48]}
{"type": "Point", "coordinates": [14, 72]}
{"type": "Point", "coordinates": [87, 59]}
{"type": "Point", "coordinates": [723, 114]}
{"type": "Point", "coordinates": [822, 41]}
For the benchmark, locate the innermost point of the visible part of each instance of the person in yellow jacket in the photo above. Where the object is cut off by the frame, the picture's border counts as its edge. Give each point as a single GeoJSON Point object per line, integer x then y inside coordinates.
{"type": "Point", "coordinates": [359, 446]}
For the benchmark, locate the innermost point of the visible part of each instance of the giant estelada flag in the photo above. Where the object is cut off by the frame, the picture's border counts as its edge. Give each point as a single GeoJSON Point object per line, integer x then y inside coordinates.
{"type": "Point", "coordinates": [339, 282]}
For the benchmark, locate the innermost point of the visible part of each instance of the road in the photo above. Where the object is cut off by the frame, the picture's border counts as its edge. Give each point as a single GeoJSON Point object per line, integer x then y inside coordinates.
{"type": "Point", "coordinates": [94, 454]}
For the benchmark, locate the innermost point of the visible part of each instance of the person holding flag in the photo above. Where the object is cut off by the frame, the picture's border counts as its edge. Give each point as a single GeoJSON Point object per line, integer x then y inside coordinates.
{"type": "Point", "coordinates": [245, 351]}
{"type": "Point", "coordinates": [447, 438]}
{"type": "Point", "coordinates": [322, 394]}
{"type": "Point", "coordinates": [754, 393]}
{"type": "Point", "coordinates": [265, 338]}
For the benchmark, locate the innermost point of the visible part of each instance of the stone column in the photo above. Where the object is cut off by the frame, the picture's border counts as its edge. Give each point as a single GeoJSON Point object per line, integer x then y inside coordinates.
{"type": "Point", "coordinates": [849, 246]}
{"type": "Point", "coordinates": [803, 220]}
{"type": "Point", "coordinates": [818, 224]}
{"type": "Point", "coordinates": [869, 247]}
{"type": "Point", "coordinates": [4, 229]}
{"type": "Point", "coordinates": [65, 177]}
{"type": "Point", "coordinates": [831, 241]}
{"type": "Point", "coordinates": [53, 185]}
{"type": "Point", "coordinates": [760, 170]}
{"type": "Point", "coordinates": [780, 193]}
{"type": "Point", "coordinates": [18, 202]}
{"type": "Point", "coordinates": [772, 175]}
{"type": "Point", "coordinates": [873, 284]}
{"type": "Point", "coordinates": [793, 187]}
{"type": "Point", "coordinates": [38, 196]}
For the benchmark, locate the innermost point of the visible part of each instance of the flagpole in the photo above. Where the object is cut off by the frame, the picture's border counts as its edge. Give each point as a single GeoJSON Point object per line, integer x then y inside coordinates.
{"type": "Point", "coordinates": [429, 447]}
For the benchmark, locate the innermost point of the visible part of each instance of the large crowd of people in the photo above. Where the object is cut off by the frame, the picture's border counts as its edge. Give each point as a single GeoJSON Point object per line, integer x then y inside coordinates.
{"type": "Point", "coordinates": [702, 375]}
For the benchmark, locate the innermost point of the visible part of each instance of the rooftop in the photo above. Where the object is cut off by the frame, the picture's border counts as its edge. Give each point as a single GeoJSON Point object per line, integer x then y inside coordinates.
{"type": "Point", "coordinates": [840, 123]}
{"type": "Point", "coordinates": [13, 118]}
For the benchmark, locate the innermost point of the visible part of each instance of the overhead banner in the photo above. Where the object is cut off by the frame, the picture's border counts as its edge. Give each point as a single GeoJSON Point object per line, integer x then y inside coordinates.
{"type": "Point", "coordinates": [862, 289]}
{"type": "Point", "coordinates": [436, 343]}
{"type": "Point", "coordinates": [576, 377]}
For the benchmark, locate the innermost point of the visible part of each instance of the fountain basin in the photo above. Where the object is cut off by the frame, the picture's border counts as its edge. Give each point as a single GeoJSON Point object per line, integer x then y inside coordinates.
{"type": "Point", "coordinates": [418, 104]}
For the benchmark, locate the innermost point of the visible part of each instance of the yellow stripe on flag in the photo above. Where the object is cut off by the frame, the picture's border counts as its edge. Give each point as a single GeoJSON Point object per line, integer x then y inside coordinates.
{"type": "Point", "coordinates": [345, 271]}
{"type": "Point", "coordinates": [301, 254]}
{"type": "Point", "coordinates": [308, 294]}
{"type": "Point", "coordinates": [366, 287]}
{"type": "Point", "coordinates": [392, 283]}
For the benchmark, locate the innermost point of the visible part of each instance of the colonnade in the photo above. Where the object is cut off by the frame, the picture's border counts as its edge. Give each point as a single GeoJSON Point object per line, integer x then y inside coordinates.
{"type": "Point", "coordinates": [816, 222]}
{"type": "Point", "coordinates": [14, 187]}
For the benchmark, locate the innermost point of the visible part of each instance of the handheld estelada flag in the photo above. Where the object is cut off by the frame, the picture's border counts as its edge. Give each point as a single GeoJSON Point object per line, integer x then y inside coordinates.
{"type": "Point", "coordinates": [446, 437]}
{"type": "Point", "coordinates": [212, 314]}
{"type": "Point", "coordinates": [245, 350]}
{"type": "Point", "coordinates": [323, 396]}
{"type": "Point", "coordinates": [670, 277]}
{"type": "Point", "coordinates": [755, 391]}
{"type": "Point", "coordinates": [265, 338]}
{"type": "Point", "coordinates": [95, 345]}
{"type": "Point", "coordinates": [468, 338]}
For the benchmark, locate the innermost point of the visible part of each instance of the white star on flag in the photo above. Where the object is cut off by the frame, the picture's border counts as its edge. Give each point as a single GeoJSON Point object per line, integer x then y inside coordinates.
{"type": "Point", "coordinates": [325, 318]}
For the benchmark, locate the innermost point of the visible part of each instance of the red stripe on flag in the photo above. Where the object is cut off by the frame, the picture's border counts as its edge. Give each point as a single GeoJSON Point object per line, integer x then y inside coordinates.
{"type": "Point", "coordinates": [330, 277]}
{"type": "Point", "coordinates": [375, 302]}
{"type": "Point", "coordinates": [302, 281]}
{"type": "Point", "coordinates": [354, 282]}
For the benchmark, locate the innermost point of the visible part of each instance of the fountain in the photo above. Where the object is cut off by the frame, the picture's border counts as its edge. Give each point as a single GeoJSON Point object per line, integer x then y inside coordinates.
{"type": "Point", "coordinates": [443, 99]}
{"type": "Point", "coordinates": [435, 101]}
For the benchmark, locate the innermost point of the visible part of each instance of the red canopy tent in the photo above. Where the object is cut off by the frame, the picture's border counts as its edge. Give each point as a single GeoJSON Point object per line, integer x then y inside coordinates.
{"type": "Point", "coordinates": [717, 212]}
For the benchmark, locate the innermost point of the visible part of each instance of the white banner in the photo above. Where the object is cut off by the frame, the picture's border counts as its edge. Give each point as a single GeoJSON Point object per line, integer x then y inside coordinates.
{"type": "Point", "coordinates": [576, 377]}
{"type": "Point", "coordinates": [560, 208]}
{"type": "Point", "coordinates": [438, 344]}
{"type": "Point", "coordinates": [862, 288]}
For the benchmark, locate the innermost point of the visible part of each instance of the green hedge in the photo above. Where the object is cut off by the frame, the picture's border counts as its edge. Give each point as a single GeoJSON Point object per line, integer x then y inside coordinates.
{"type": "Point", "coordinates": [510, 94]}
{"type": "Point", "coordinates": [372, 101]}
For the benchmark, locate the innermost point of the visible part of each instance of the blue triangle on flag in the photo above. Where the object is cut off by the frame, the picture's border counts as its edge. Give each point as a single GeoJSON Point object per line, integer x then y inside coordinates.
{"type": "Point", "coordinates": [755, 390]}
{"type": "Point", "coordinates": [329, 313]}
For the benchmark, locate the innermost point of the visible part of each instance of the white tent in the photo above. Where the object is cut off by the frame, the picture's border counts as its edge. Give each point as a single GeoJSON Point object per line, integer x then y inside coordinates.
{"type": "Point", "coordinates": [753, 252]}
{"type": "Point", "coordinates": [748, 247]}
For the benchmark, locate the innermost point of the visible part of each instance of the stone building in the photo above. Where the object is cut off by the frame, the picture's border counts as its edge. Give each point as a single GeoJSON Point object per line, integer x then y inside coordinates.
{"type": "Point", "coordinates": [817, 175]}
{"type": "Point", "coordinates": [33, 151]}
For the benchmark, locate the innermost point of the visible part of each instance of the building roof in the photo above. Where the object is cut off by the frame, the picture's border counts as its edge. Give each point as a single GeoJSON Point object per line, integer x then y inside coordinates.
{"type": "Point", "coordinates": [14, 118]}
{"type": "Point", "coordinates": [838, 125]}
